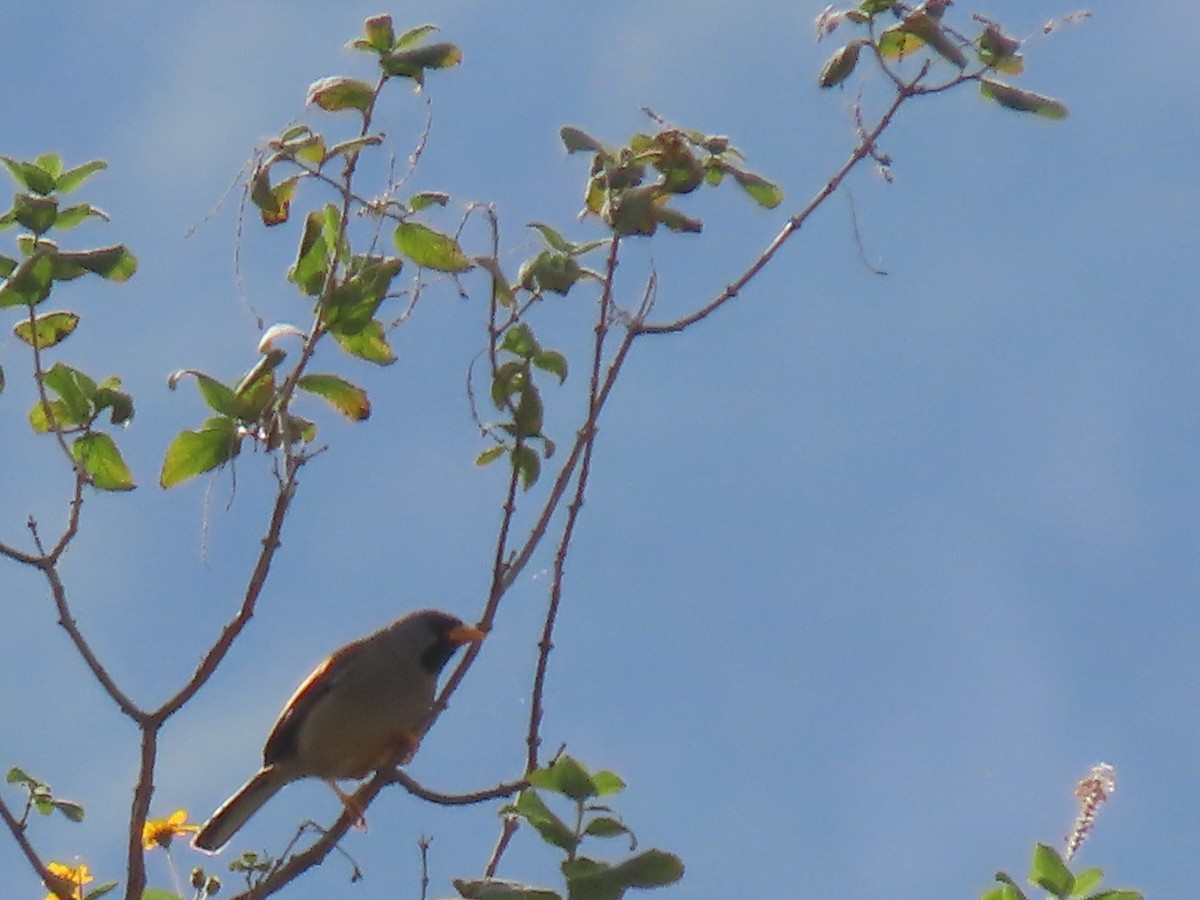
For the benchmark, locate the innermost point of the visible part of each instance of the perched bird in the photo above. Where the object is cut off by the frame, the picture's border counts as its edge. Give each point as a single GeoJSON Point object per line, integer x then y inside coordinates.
{"type": "Point", "coordinates": [360, 709]}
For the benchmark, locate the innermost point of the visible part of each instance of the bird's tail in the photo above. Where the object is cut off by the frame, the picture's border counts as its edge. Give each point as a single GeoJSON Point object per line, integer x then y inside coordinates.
{"type": "Point", "coordinates": [234, 812]}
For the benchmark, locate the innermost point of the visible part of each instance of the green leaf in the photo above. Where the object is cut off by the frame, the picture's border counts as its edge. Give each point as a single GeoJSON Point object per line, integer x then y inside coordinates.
{"type": "Point", "coordinates": [349, 148]}
{"type": "Point", "coordinates": [412, 62]}
{"type": "Point", "coordinates": [73, 178]}
{"type": "Point", "coordinates": [99, 891]}
{"type": "Point", "coordinates": [255, 390]}
{"type": "Point", "coordinates": [194, 452]}
{"type": "Point", "coordinates": [577, 140]}
{"type": "Point", "coordinates": [553, 238]}
{"type": "Point", "coordinates": [765, 193]}
{"type": "Point", "coordinates": [506, 381]}
{"type": "Point", "coordinates": [592, 880]}
{"type": "Point", "coordinates": [841, 64]}
{"type": "Point", "coordinates": [1047, 870]}
{"type": "Point", "coordinates": [607, 783]}
{"type": "Point", "coordinates": [274, 202]}
{"type": "Point", "coordinates": [605, 826]}
{"type": "Point", "coordinates": [872, 7]}
{"type": "Point", "coordinates": [218, 397]}
{"type": "Point", "coordinates": [47, 329]}
{"type": "Point", "coordinates": [312, 259]}
{"type": "Point", "coordinates": [70, 216]}
{"type": "Point", "coordinates": [7, 265]}
{"type": "Point", "coordinates": [631, 211]}
{"type": "Point", "coordinates": [43, 418]}
{"type": "Point", "coordinates": [115, 263]}
{"type": "Point", "coordinates": [519, 341]}
{"type": "Point", "coordinates": [999, 51]}
{"type": "Point", "coordinates": [550, 271]}
{"type": "Point", "coordinates": [379, 33]}
{"type": "Point", "coordinates": [17, 775]}
{"type": "Point", "coordinates": [413, 36]}
{"type": "Point", "coordinates": [38, 214]}
{"type": "Point", "coordinates": [1021, 100]}
{"type": "Point", "coordinates": [340, 92]}
{"type": "Point", "coordinates": [1087, 881]}
{"type": "Point", "coordinates": [101, 459]}
{"type": "Point", "coordinates": [75, 388]}
{"type": "Point", "coordinates": [527, 465]}
{"type": "Point", "coordinates": [29, 175]}
{"type": "Point", "coordinates": [368, 343]}
{"type": "Point", "coordinates": [501, 290]}
{"type": "Point", "coordinates": [109, 396]}
{"type": "Point", "coordinates": [430, 249]}
{"type": "Point", "coordinates": [528, 416]}
{"type": "Point", "coordinates": [490, 455]}
{"type": "Point", "coordinates": [677, 221]}
{"type": "Point", "coordinates": [51, 163]}
{"type": "Point", "coordinates": [553, 362]}
{"type": "Point", "coordinates": [926, 27]}
{"type": "Point", "coordinates": [352, 305]}
{"type": "Point", "coordinates": [896, 42]}
{"type": "Point", "coordinates": [1004, 892]}
{"type": "Point", "coordinates": [29, 284]}
{"type": "Point", "coordinates": [566, 776]}
{"type": "Point", "coordinates": [653, 868]}
{"type": "Point", "coordinates": [1117, 895]}
{"type": "Point", "coordinates": [553, 830]}
{"type": "Point", "coordinates": [348, 399]}
{"type": "Point", "coordinates": [72, 811]}
{"type": "Point", "coordinates": [426, 199]}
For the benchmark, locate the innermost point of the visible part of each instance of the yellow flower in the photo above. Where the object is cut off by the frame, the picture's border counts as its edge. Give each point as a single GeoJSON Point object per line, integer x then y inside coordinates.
{"type": "Point", "coordinates": [77, 877]}
{"type": "Point", "coordinates": [160, 832]}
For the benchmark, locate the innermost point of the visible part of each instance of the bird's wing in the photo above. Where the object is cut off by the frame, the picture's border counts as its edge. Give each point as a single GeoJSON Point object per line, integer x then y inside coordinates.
{"type": "Point", "coordinates": [281, 744]}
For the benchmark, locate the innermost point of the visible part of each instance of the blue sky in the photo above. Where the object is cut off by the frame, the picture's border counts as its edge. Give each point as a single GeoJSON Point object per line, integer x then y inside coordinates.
{"type": "Point", "coordinates": [872, 568]}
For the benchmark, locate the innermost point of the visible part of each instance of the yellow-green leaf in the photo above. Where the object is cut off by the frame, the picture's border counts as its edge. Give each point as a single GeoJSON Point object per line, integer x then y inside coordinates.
{"type": "Point", "coordinates": [412, 63]}
{"type": "Point", "coordinates": [73, 178]}
{"type": "Point", "coordinates": [1022, 100]}
{"type": "Point", "coordinates": [894, 42]}
{"type": "Point", "coordinates": [367, 343]}
{"type": "Point", "coordinates": [114, 263]}
{"type": "Point", "coordinates": [339, 92]}
{"type": "Point", "coordinates": [194, 452]}
{"type": "Point", "coordinates": [765, 193]}
{"type": "Point", "coordinates": [348, 399]}
{"type": "Point", "coordinates": [491, 454]}
{"type": "Point", "coordinates": [48, 329]}
{"type": "Point", "coordinates": [429, 248]}
{"type": "Point", "coordinates": [101, 459]}
{"type": "Point", "coordinates": [841, 64]}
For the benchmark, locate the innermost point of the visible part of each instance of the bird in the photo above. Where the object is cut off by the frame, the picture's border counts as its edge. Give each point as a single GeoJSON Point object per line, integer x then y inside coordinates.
{"type": "Point", "coordinates": [361, 709]}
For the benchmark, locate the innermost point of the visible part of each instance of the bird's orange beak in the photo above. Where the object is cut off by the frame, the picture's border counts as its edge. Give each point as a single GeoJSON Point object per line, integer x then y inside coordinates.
{"type": "Point", "coordinates": [466, 634]}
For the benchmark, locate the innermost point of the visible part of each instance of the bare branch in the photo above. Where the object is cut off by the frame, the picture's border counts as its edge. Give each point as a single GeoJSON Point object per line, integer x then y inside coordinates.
{"type": "Point", "coordinates": [58, 885]}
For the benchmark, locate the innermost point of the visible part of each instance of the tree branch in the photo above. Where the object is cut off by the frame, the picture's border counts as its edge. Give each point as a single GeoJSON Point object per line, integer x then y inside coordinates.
{"type": "Point", "coordinates": [865, 146]}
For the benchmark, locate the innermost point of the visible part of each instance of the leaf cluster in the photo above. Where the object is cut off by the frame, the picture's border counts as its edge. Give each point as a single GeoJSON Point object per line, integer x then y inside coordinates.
{"type": "Point", "coordinates": [514, 391]}
{"type": "Point", "coordinates": [629, 187]}
{"type": "Point", "coordinates": [1048, 871]}
{"type": "Point", "coordinates": [921, 28]}
{"type": "Point", "coordinates": [40, 797]}
{"type": "Point", "coordinates": [70, 402]}
{"type": "Point", "coordinates": [587, 878]}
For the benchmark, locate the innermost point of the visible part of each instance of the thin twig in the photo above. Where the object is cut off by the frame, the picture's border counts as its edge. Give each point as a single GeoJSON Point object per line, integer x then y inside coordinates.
{"type": "Point", "coordinates": [793, 224]}
{"type": "Point", "coordinates": [511, 826]}
{"type": "Point", "coordinates": [57, 884]}
{"type": "Point", "coordinates": [533, 738]}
